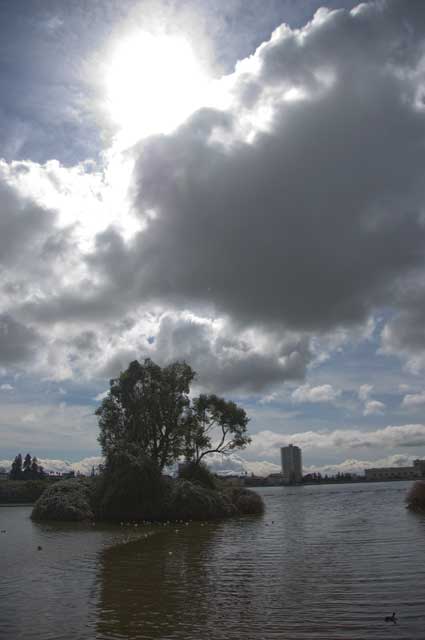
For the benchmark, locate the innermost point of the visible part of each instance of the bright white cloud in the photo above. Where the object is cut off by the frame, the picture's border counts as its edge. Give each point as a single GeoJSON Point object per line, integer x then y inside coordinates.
{"type": "Point", "coordinates": [266, 444]}
{"type": "Point", "coordinates": [364, 391]}
{"type": "Point", "coordinates": [358, 466]}
{"type": "Point", "coordinates": [100, 396]}
{"type": "Point", "coordinates": [412, 400]}
{"type": "Point", "coordinates": [323, 393]}
{"type": "Point", "coordinates": [374, 408]}
{"type": "Point", "coordinates": [6, 387]}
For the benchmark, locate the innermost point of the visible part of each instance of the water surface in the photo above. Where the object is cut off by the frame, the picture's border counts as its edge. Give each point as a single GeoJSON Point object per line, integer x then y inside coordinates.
{"type": "Point", "coordinates": [324, 562]}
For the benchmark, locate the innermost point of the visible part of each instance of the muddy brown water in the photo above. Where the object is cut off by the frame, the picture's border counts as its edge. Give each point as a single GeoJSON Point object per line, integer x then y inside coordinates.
{"type": "Point", "coordinates": [323, 562]}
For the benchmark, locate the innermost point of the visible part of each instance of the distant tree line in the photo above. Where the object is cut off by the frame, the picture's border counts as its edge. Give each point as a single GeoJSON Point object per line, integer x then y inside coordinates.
{"type": "Point", "coordinates": [27, 469]}
{"type": "Point", "coordinates": [339, 477]}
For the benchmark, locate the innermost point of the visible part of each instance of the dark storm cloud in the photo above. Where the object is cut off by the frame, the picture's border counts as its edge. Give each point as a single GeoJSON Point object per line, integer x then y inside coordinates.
{"type": "Point", "coordinates": [34, 252]}
{"type": "Point", "coordinates": [222, 360]}
{"type": "Point", "coordinates": [23, 225]}
{"type": "Point", "coordinates": [404, 333]}
{"type": "Point", "coordinates": [225, 362]}
{"type": "Point", "coordinates": [17, 342]}
{"type": "Point", "coordinates": [310, 224]}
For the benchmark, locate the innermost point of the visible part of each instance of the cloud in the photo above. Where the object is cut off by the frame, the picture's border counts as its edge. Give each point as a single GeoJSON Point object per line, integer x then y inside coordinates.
{"type": "Point", "coordinates": [6, 387]}
{"type": "Point", "coordinates": [18, 343]}
{"type": "Point", "coordinates": [227, 359]}
{"type": "Point", "coordinates": [100, 396]}
{"type": "Point", "coordinates": [412, 400]}
{"type": "Point", "coordinates": [374, 408]}
{"type": "Point", "coordinates": [224, 358]}
{"type": "Point", "coordinates": [358, 466]}
{"type": "Point", "coordinates": [247, 223]}
{"type": "Point", "coordinates": [50, 465]}
{"type": "Point", "coordinates": [46, 427]}
{"type": "Point", "coordinates": [283, 213]}
{"type": "Point", "coordinates": [403, 334]}
{"type": "Point", "coordinates": [324, 393]}
{"type": "Point", "coordinates": [266, 444]}
{"type": "Point", "coordinates": [364, 391]}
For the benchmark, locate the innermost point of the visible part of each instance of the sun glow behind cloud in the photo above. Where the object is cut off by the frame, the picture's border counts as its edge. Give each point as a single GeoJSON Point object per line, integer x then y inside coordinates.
{"type": "Point", "coordinates": [153, 82]}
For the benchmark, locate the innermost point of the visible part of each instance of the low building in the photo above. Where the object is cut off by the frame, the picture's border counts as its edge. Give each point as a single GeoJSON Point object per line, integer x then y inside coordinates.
{"type": "Point", "coordinates": [393, 473]}
{"type": "Point", "coordinates": [274, 479]}
{"type": "Point", "coordinates": [420, 467]}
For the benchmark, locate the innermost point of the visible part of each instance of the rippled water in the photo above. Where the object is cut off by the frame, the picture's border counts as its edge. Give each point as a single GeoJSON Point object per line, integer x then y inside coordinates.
{"type": "Point", "coordinates": [324, 562]}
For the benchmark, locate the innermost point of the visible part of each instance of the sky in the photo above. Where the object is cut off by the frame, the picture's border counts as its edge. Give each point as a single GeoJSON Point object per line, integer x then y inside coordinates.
{"type": "Point", "coordinates": [238, 184]}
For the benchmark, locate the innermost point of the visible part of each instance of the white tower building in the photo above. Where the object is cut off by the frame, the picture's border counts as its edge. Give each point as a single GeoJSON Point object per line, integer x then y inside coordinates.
{"type": "Point", "coordinates": [292, 468]}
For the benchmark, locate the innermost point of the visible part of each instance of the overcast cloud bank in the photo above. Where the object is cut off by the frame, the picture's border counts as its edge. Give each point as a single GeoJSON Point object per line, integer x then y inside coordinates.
{"type": "Point", "coordinates": [257, 241]}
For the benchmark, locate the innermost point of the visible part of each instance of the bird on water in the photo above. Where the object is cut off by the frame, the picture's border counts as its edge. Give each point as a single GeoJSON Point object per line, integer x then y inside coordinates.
{"type": "Point", "coordinates": [391, 618]}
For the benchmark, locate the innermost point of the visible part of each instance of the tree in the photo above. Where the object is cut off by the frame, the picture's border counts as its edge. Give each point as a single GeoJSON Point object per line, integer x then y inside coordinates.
{"type": "Point", "coordinates": [16, 470]}
{"type": "Point", "coordinates": [34, 471]}
{"type": "Point", "coordinates": [216, 426]}
{"type": "Point", "coordinates": [27, 467]}
{"type": "Point", "coordinates": [147, 410]}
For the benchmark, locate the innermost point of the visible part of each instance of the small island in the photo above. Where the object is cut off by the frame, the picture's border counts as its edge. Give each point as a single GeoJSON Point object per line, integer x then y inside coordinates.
{"type": "Point", "coordinates": [148, 422]}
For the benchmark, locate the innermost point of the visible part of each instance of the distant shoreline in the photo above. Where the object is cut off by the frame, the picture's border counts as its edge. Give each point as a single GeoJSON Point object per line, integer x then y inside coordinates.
{"type": "Point", "coordinates": [312, 483]}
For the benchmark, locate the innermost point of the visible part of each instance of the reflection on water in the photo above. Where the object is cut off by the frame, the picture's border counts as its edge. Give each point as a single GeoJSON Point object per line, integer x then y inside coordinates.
{"type": "Point", "coordinates": [324, 562]}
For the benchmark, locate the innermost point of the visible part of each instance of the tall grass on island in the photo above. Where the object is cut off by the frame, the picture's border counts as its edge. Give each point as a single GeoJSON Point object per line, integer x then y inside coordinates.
{"type": "Point", "coordinates": [416, 497]}
{"type": "Point", "coordinates": [21, 491]}
{"type": "Point", "coordinates": [133, 490]}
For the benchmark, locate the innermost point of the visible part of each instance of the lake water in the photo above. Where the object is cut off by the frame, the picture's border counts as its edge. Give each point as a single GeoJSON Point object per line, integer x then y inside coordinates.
{"type": "Point", "coordinates": [323, 562]}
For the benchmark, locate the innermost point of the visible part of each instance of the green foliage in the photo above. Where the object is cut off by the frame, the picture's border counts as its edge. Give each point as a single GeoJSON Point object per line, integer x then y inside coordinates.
{"type": "Point", "coordinates": [27, 467]}
{"type": "Point", "coordinates": [66, 500]}
{"type": "Point", "coordinates": [131, 488]}
{"type": "Point", "coordinates": [16, 470]}
{"type": "Point", "coordinates": [147, 407]}
{"type": "Point", "coordinates": [147, 422]}
{"type": "Point", "coordinates": [246, 502]}
{"type": "Point", "coordinates": [416, 497]}
{"type": "Point", "coordinates": [28, 470]}
{"type": "Point", "coordinates": [216, 426]}
{"type": "Point", "coordinates": [19, 492]}
{"type": "Point", "coordinates": [191, 501]}
{"type": "Point", "coordinates": [199, 473]}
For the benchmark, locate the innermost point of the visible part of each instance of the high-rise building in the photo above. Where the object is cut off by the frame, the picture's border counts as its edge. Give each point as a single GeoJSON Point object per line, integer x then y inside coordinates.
{"type": "Point", "coordinates": [292, 468]}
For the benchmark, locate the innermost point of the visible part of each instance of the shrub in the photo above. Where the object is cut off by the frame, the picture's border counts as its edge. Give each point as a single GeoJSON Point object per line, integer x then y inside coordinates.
{"type": "Point", "coordinates": [191, 501]}
{"type": "Point", "coordinates": [246, 502]}
{"type": "Point", "coordinates": [131, 488]}
{"type": "Point", "coordinates": [19, 491]}
{"type": "Point", "coordinates": [416, 497]}
{"type": "Point", "coordinates": [198, 473]}
{"type": "Point", "coordinates": [67, 500]}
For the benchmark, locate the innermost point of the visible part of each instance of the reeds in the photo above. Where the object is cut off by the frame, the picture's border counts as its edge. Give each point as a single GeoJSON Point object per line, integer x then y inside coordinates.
{"type": "Point", "coordinates": [416, 497]}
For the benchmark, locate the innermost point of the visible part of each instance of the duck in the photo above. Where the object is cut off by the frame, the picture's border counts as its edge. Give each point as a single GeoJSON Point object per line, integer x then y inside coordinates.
{"type": "Point", "coordinates": [391, 618]}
